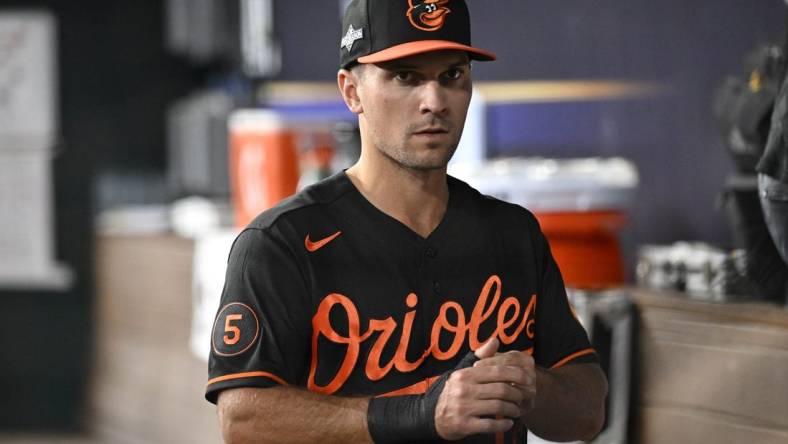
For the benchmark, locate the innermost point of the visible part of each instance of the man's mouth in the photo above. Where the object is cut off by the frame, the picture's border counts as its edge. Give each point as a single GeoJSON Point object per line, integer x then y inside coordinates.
{"type": "Point", "coordinates": [435, 130]}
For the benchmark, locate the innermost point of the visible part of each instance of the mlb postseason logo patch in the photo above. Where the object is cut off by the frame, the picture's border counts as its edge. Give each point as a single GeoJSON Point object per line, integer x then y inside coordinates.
{"type": "Point", "coordinates": [350, 37]}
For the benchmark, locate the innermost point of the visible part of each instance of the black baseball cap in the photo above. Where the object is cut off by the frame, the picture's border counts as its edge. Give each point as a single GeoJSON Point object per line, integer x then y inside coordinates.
{"type": "Point", "coordinates": [376, 31]}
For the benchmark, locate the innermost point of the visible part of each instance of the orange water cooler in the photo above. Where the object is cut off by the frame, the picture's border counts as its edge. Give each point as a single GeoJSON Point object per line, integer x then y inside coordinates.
{"type": "Point", "coordinates": [266, 152]}
{"type": "Point", "coordinates": [586, 246]}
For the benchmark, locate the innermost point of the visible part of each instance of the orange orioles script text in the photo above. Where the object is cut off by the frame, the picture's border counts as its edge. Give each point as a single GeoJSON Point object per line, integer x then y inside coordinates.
{"type": "Point", "coordinates": [511, 322]}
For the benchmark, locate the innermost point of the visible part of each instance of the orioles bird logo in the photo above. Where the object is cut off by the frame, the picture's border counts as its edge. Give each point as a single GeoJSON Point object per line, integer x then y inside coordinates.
{"type": "Point", "coordinates": [428, 15]}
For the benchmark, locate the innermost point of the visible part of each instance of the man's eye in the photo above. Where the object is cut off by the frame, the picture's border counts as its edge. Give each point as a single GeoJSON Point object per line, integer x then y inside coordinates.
{"type": "Point", "coordinates": [404, 76]}
{"type": "Point", "coordinates": [454, 74]}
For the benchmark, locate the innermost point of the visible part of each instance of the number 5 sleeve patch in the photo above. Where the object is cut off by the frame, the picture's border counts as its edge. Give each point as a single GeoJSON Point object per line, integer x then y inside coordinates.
{"type": "Point", "coordinates": [237, 328]}
{"type": "Point", "coordinates": [260, 337]}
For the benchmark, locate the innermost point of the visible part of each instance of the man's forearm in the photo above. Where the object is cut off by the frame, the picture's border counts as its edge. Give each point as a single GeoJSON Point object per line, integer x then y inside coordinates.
{"type": "Point", "coordinates": [285, 414]}
{"type": "Point", "coordinates": [569, 404]}
{"type": "Point", "coordinates": [465, 400]}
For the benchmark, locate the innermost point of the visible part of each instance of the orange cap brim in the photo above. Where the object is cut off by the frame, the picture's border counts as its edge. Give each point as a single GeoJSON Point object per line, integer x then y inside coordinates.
{"type": "Point", "coordinates": [422, 46]}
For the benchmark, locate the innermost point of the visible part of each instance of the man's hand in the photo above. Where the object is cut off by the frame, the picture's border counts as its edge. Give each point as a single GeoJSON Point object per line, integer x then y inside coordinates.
{"type": "Point", "coordinates": [518, 360]}
{"type": "Point", "coordinates": [487, 397]}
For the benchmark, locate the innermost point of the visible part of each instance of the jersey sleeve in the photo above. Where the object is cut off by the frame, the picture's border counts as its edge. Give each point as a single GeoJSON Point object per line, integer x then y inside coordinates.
{"type": "Point", "coordinates": [560, 338]}
{"type": "Point", "coordinates": [260, 335]}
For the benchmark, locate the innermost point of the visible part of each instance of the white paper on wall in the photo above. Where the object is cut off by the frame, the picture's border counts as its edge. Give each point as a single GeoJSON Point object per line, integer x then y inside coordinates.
{"type": "Point", "coordinates": [27, 248]}
{"type": "Point", "coordinates": [27, 80]}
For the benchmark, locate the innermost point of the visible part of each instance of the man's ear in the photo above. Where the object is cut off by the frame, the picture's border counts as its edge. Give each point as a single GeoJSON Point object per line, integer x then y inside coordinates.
{"type": "Point", "coordinates": [348, 87]}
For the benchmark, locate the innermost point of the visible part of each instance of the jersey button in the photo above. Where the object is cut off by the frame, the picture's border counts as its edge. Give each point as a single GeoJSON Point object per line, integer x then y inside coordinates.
{"type": "Point", "coordinates": [430, 252]}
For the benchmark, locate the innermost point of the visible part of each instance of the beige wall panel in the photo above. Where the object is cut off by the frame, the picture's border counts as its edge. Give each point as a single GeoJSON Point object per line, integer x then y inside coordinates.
{"type": "Point", "coordinates": [743, 381]}
{"type": "Point", "coordinates": [710, 372]}
{"type": "Point", "coordinates": [678, 426]}
{"type": "Point", "coordinates": [148, 388]}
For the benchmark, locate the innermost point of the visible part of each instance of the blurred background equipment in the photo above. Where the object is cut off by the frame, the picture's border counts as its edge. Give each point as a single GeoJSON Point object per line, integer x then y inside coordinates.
{"type": "Point", "coordinates": [197, 144]}
{"type": "Point", "coordinates": [700, 270]}
{"type": "Point", "coordinates": [744, 106]}
{"type": "Point", "coordinates": [773, 175]}
{"type": "Point", "coordinates": [766, 271]}
{"type": "Point", "coordinates": [203, 30]}
{"type": "Point", "coordinates": [609, 319]}
{"type": "Point", "coordinates": [259, 49]}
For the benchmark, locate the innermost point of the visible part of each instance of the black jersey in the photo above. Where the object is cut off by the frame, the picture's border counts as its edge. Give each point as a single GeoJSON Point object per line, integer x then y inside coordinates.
{"type": "Point", "coordinates": [327, 292]}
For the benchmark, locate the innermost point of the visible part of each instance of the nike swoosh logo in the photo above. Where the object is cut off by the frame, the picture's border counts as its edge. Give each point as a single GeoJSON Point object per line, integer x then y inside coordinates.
{"type": "Point", "coordinates": [314, 246]}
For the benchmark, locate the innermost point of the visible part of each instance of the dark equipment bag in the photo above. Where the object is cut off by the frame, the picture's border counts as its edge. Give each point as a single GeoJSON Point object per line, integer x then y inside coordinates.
{"type": "Point", "coordinates": [743, 105]}
{"type": "Point", "coordinates": [766, 271]}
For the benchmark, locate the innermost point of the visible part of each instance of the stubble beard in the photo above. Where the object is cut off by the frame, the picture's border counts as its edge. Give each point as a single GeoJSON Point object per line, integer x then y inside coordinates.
{"type": "Point", "coordinates": [406, 158]}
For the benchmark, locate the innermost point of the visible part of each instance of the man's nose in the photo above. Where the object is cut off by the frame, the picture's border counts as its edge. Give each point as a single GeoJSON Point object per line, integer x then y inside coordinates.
{"type": "Point", "coordinates": [433, 98]}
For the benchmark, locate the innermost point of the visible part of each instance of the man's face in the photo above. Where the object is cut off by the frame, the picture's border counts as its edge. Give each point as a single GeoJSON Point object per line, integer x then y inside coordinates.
{"type": "Point", "coordinates": [413, 109]}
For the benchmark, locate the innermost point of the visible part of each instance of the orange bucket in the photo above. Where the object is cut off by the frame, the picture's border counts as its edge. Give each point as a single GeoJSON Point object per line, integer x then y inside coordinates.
{"type": "Point", "coordinates": [585, 245]}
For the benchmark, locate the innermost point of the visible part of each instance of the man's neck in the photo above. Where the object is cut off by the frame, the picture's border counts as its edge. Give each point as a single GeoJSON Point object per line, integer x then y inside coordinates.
{"type": "Point", "coordinates": [418, 199]}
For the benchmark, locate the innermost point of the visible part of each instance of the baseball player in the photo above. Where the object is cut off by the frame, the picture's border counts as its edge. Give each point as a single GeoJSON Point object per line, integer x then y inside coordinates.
{"type": "Point", "coordinates": [391, 302]}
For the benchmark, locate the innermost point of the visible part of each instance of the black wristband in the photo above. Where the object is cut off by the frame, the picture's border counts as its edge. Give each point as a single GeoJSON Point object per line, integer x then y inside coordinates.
{"type": "Point", "coordinates": [409, 418]}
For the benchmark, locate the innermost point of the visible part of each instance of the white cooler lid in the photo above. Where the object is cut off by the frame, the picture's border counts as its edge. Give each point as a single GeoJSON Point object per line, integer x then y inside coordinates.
{"type": "Point", "coordinates": [555, 185]}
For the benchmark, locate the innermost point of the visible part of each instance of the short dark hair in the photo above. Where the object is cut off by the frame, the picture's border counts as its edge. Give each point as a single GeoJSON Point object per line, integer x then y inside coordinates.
{"type": "Point", "coordinates": [357, 69]}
